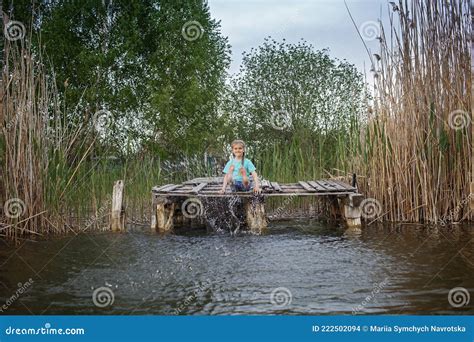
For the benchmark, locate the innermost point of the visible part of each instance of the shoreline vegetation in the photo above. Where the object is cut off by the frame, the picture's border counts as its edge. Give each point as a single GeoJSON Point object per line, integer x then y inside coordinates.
{"type": "Point", "coordinates": [82, 107]}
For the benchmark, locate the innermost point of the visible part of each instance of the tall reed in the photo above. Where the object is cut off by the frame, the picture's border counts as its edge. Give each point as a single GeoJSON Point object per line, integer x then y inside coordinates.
{"type": "Point", "coordinates": [417, 151]}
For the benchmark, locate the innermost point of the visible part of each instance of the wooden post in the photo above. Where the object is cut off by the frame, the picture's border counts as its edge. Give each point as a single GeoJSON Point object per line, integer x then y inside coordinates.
{"type": "Point", "coordinates": [255, 216]}
{"type": "Point", "coordinates": [154, 203]}
{"type": "Point", "coordinates": [352, 210]}
{"type": "Point", "coordinates": [118, 211]}
{"type": "Point", "coordinates": [164, 214]}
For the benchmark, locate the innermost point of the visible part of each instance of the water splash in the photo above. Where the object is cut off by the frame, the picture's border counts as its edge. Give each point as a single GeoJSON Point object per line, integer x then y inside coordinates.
{"type": "Point", "coordinates": [224, 214]}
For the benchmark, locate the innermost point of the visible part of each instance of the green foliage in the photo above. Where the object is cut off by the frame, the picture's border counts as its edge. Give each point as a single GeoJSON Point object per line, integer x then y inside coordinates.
{"type": "Point", "coordinates": [321, 99]}
{"type": "Point", "coordinates": [131, 58]}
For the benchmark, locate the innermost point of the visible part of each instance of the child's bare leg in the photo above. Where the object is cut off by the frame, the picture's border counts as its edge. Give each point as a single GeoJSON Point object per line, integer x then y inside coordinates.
{"type": "Point", "coordinates": [245, 179]}
{"type": "Point", "coordinates": [229, 174]}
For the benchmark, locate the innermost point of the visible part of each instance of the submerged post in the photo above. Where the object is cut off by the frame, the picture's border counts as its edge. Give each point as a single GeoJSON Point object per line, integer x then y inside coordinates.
{"type": "Point", "coordinates": [164, 212]}
{"type": "Point", "coordinates": [255, 215]}
{"type": "Point", "coordinates": [117, 221]}
{"type": "Point", "coordinates": [352, 210]}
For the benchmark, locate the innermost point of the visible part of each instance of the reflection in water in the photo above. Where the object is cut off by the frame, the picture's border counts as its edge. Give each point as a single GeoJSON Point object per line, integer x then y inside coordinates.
{"type": "Point", "coordinates": [300, 267]}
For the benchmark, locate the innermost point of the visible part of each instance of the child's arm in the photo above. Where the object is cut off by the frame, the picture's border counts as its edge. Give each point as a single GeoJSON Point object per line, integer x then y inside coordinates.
{"type": "Point", "coordinates": [256, 187]}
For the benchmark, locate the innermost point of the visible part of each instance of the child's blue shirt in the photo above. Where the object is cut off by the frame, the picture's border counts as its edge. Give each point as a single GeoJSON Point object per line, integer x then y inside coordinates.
{"type": "Point", "coordinates": [236, 175]}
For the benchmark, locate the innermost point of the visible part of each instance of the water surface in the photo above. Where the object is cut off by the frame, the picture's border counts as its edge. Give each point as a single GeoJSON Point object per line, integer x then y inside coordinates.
{"type": "Point", "coordinates": [299, 267]}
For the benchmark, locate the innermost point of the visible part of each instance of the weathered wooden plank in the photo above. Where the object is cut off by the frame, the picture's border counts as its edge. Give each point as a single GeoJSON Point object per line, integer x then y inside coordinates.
{"type": "Point", "coordinates": [291, 186]}
{"type": "Point", "coordinates": [316, 186]}
{"type": "Point", "coordinates": [332, 186]}
{"type": "Point", "coordinates": [344, 185]}
{"type": "Point", "coordinates": [199, 187]}
{"type": "Point", "coordinates": [170, 188]}
{"type": "Point", "coordinates": [328, 186]}
{"type": "Point", "coordinates": [335, 186]}
{"type": "Point", "coordinates": [159, 188]}
{"type": "Point", "coordinates": [276, 186]}
{"type": "Point", "coordinates": [322, 184]}
{"type": "Point", "coordinates": [307, 187]}
{"type": "Point", "coordinates": [208, 180]}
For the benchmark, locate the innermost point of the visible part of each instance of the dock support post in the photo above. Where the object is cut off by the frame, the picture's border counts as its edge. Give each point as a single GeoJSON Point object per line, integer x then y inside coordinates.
{"type": "Point", "coordinates": [255, 215]}
{"type": "Point", "coordinates": [164, 210]}
{"type": "Point", "coordinates": [352, 211]}
{"type": "Point", "coordinates": [117, 221]}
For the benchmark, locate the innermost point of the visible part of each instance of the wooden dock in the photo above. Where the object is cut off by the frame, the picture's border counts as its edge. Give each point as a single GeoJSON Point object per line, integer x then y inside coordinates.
{"type": "Point", "coordinates": [209, 187]}
{"type": "Point", "coordinates": [169, 200]}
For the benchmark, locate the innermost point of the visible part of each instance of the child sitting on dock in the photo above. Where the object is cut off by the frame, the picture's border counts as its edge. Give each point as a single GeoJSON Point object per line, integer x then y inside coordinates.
{"type": "Point", "coordinates": [238, 169]}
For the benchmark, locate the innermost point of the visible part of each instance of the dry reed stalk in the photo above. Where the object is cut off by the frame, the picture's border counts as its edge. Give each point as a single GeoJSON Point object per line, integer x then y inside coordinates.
{"type": "Point", "coordinates": [33, 130]}
{"type": "Point", "coordinates": [419, 140]}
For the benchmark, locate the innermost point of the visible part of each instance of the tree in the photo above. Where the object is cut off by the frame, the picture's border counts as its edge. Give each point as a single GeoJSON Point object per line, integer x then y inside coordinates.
{"type": "Point", "coordinates": [317, 93]}
{"type": "Point", "coordinates": [157, 66]}
{"type": "Point", "coordinates": [290, 92]}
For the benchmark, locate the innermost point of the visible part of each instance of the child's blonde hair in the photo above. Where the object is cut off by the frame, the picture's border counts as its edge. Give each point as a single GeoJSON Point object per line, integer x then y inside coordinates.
{"type": "Point", "coordinates": [238, 142]}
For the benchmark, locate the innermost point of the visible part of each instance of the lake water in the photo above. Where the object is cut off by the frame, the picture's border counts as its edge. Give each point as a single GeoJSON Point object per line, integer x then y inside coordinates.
{"type": "Point", "coordinates": [299, 267]}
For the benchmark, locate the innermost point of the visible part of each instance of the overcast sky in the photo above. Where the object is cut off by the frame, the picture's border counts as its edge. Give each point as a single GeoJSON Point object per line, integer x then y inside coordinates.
{"type": "Point", "coordinates": [323, 23]}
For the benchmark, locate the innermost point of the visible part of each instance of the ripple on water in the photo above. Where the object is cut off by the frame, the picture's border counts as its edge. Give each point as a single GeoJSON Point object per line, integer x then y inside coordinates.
{"type": "Point", "coordinates": [313, 268]}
